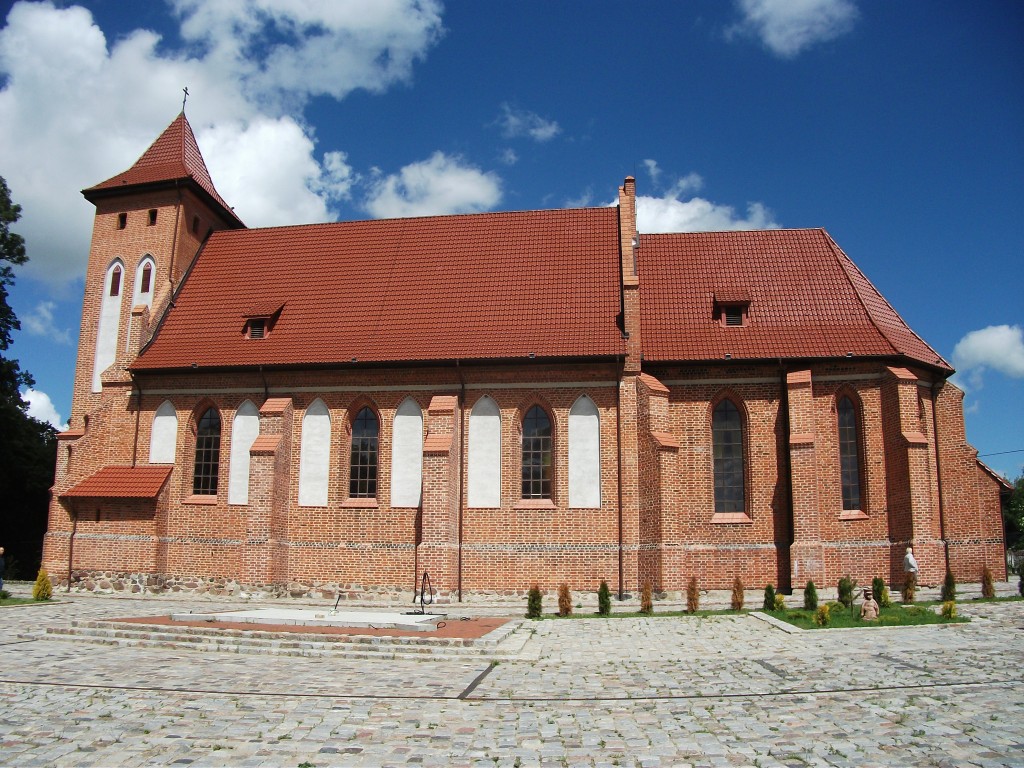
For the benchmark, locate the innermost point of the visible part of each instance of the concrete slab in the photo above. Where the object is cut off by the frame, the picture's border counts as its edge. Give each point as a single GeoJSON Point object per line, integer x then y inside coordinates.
{"type": "Point", "coordinates": [416, 622]}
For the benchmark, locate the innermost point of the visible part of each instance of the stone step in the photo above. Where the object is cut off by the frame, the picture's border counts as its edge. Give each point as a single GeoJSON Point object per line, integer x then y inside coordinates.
{"type": "Point", "coordinates": [290, 643]}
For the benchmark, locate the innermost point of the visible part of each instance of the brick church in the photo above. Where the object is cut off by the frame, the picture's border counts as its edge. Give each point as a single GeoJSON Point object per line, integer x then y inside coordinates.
{"type": "Point", "coordinates": [495, 399]}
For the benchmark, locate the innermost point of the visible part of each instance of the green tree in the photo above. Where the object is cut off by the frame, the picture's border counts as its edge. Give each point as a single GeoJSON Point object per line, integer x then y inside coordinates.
{"type": "Point", "coordinates": [28, 447]}
{"type": "Point", "coordinates": [1013, 514]}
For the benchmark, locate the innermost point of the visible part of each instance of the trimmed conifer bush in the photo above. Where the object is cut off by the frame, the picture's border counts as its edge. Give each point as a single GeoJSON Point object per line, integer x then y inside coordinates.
{"type": "Point", "coordinates": [884, 599]}
{"type": "Point", "coordinates": [949, 588]}
{"type": "Point", "coordinates": [821, 616]}
{"type": "Point", "coordinates": [845, 589]}
{"type": "Point", "coordinates": [646, 603]}
{"type": "Point", "coordinates": [737, 594]}
{"type": "Point", "coordinates": [780, 601]}
{"type": "Point", "coordinates": [604, 599]}
{"type": "Point", "coordinates": [43, 589]}
{"type": "Point", "coordinates": [533, 603]}
{"type": "Point", "coordinates": [810, 596]}
{"type": "Point", "coordinates": [564, 600]}
{"type": "Point", "coordinates": [692, 595]}
{"type": "Point", "coordinates": [988, 585]}
{"type": "Point", "coordinates": [910, 588]}
{"type": "Point", "coordinates": [877, 585]}
{"type": "Point", "coordinates": [949, 609]}
{"type": "Point", "coordinates": [769, 599]}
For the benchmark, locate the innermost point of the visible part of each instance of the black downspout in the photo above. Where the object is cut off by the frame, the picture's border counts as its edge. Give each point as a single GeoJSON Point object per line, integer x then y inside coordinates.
{"type": "Point", "coordinates": [619, 369]}
{"type": "Point", "coordinates": [462, 451]}
{"type": "Point", "coordinates": [938, 477]}
{"type": "Point", "coordinates": [138, 410]}
{"type": "Point", "coordinates": [71, 542]}
{"type": "Point", "coordinates": [787, 428]}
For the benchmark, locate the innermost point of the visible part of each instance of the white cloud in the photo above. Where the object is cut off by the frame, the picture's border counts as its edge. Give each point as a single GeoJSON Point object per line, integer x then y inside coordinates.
{"type": "Point", "coordinates": [41, 407]}
{"type": "Point", "coordinates": [287, 185]}
{"type": "Point", "coordinates": [441, 184]}
{"type": "Point", "coordinates": [586, 198]}
{"type": "Point", "coordinates": [670, 214]}
{"type": "Point", "coordinates": [788, 27]}
{"type": "Point", "coordinates": [39, 322]}
{"type": "Point", "coordinates": [63, 104]}
{"type": "Point", "coordinates": [999, 347]}
{"type": "Point", "coordinates": [321, 48]}
{"type": "Point", "coordinates": [508, 156]}
{"type": "Point", "coordinates": [521, 122]}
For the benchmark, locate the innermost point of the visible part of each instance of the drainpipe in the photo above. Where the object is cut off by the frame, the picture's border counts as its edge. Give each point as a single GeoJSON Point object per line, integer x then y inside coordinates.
{"type": "Point", "coordinates": [938, 473]}
{"type": "Point", "coordinates": [462, 452]}
{"type": "Point", "coordinates": [71, 541]}
{"type": "Point", "coordinates": [137, 391]}
{"type": "Point", "coordinates": [619, 368]}
{"type": "Point", "coordinates": [787, 428]}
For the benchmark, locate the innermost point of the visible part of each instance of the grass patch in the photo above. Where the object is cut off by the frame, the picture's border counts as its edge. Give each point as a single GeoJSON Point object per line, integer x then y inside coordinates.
{"type": "Point", "coordinates": [843, 618]}
{"type": "Point", "coordinates": [19, 600]}
{"type": "Point", "coordinates": [641, 615]}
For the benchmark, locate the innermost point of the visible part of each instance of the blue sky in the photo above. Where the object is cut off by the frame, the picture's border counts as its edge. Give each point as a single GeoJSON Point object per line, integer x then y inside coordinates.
{"type": "Point", "coordinates": [898, 127]}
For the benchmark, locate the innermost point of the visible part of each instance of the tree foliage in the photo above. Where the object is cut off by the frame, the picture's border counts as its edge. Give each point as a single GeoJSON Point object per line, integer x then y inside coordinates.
{"type": "Point", "coordinates": [28, 447]}
{"type": "Point", "coordinates": [1013, 514]}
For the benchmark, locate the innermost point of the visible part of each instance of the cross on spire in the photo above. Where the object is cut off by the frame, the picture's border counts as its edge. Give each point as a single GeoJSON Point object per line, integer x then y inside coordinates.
{"type": "Point", "coordinates": [185, 98]}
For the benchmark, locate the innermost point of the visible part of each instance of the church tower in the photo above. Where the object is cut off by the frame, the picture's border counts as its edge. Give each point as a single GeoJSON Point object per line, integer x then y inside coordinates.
{"type": "Point", "coordinates": [151, 221]}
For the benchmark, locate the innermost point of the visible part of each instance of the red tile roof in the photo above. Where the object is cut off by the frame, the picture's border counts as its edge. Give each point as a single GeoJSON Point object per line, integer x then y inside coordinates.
{"type": "Point", "coordinates": [806, 299]}
{"type": "Point", "coordinates": [475, 286]}
{"type": "Point", "coordinates": [122, 483]}
{"type": "Point", "coordinates": [174, 156]}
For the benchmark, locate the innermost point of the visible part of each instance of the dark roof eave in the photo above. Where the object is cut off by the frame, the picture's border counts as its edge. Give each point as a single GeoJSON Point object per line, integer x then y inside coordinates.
{"type": "Point", "coordinates": [939, 367]}
{"type": "Point", "coordinates": [378, 364]}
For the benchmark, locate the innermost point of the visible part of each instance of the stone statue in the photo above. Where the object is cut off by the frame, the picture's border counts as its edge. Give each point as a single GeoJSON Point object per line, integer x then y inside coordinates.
{"type": "Point", "coordinates": [869, 609]}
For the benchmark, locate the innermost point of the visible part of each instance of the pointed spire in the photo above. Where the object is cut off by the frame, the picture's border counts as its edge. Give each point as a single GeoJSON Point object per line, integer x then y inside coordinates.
{"type": "Point", "coordinates": [173, 157]}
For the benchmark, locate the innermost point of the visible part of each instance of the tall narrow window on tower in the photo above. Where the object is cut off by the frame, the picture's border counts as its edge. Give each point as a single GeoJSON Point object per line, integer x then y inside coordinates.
{"type": "Point", "coordinates": [109, 325]}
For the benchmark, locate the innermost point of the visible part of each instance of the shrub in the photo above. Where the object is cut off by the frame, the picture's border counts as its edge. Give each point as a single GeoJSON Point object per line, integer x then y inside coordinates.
{"type": "Point", "coordinates": [604, 599]}
{"type": "Point", "coordinates": [810, 597]}
{"type": "Point", "coordinates": [737, 594]}
{"type": "Point", "coordinates": [821, 616]}
{"type": "Point", "coordinates": [533, 603]}
{"type": "Point", "coordinates": [4, 594]}
{"type": "Point", "coordinates": [910, 588]}
{"type": "Point", "coordinates": [780, 601]}
{"type": "Point", "coordinates": [949, 609]}
{"type": "Point", "coordinates": [564, 600]}
{"type": "Point", "coordinates": [769, 598]}
{"type": "Point", "coordinates": [949, 588]}
{"type": "Point", "coordinates": [646, 604]}
{"type": "Point", "coordinates": [988, 586]}
{"type": "Point", "coordinates": [692, 595]}
{"type": "Point", "coordinates": [43, 589]}
{"type": "Point", "coordinates": [877, 585]}
{"type": "Point", "coordinates": [884, 600]}
{"type": "Point", "coordinates": [846, 587]}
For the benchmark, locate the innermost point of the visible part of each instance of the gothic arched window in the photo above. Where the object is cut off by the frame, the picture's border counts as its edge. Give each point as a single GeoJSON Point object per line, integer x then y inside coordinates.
{"type": "Point", "coordinates": [363, 461]}
{"type": "Point", "coordinates": [849, 453]}
{"type": "Point", "coordinates": [727, 445]}
{"type": "Point", "coordinates": [207, 462]}
{"type": "Point", "coordinates": [536, 454]}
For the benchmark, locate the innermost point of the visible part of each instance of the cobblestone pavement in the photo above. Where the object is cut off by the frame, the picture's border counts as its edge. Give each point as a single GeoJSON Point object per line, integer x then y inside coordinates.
{"type": "Point", "coordinates": [722, 691]}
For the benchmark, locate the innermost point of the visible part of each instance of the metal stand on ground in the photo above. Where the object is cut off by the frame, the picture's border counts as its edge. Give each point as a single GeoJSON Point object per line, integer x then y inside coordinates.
{"type": "Point", "coordinates": [425, 596]}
